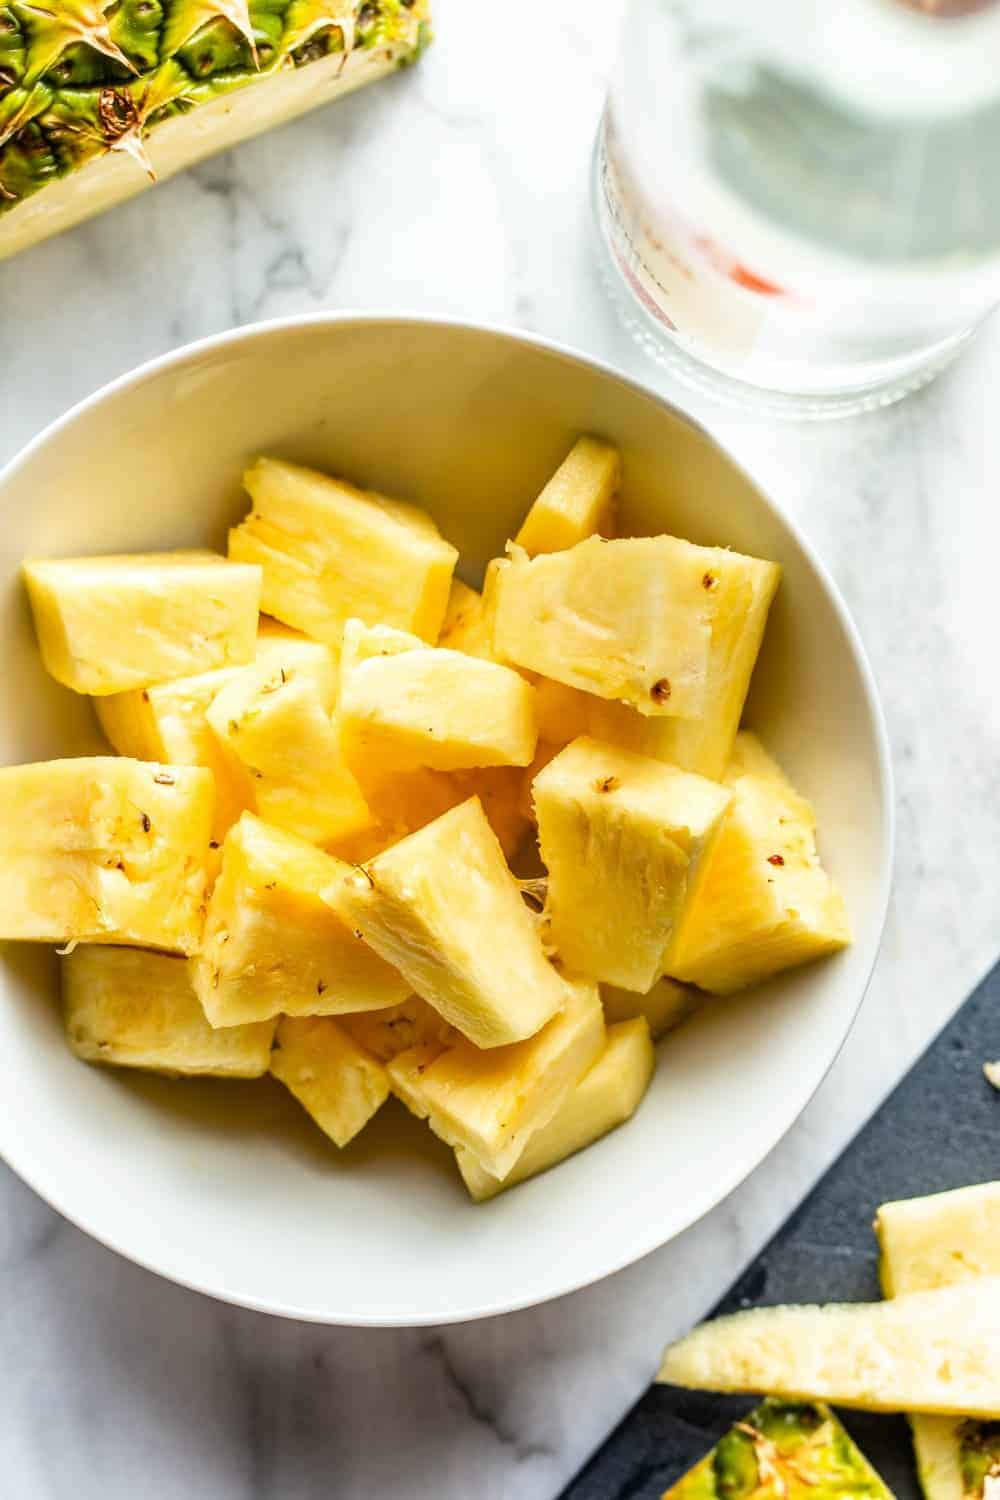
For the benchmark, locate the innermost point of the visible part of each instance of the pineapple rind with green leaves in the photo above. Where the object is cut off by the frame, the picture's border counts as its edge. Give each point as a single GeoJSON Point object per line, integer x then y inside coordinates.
{"type": "Point", "coordinates": [135, 1009]}
{"type": "Point", "coordinates": [336, 1080]}
{"type": "Point", "coordinates": [104, 850]}
{"type": "Point", "coordinates": [96, 98]}
{"type": "Point", "coordinates": [271, 943]}
{"type": "Point", "coordinates": [607, 1095]}
{"type": "Point", "coordinates": [783, 1450]}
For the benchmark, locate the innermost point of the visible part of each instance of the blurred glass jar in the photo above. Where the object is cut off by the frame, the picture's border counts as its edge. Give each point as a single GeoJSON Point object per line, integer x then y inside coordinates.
{"type": "Point", "coordinates": [800, 199]}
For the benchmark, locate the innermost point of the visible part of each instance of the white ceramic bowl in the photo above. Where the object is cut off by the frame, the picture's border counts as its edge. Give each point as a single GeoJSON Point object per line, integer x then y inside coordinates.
{"type": "Point", "coordinates": [228, 1188]}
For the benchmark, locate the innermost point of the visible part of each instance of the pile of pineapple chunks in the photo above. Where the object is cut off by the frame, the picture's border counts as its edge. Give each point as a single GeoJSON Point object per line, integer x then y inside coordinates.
{"type": "Point", "coordinates": [300, 860]}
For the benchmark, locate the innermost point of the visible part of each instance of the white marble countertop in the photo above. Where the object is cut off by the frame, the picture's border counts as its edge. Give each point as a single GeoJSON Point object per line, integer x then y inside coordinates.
{"type": "Point", "coordinates": [460, 187]}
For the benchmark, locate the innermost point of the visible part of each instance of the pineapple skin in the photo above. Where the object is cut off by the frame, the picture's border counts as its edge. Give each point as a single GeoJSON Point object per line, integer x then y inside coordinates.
{"type": "Point", "coordinates": [104, 850]}
{"type": "Point", "coordinates": [625, 840]}
{"type": "Point", "coordinates": [404, 705]}
{"type": "Point", "coordinates": [84, 127]}
{"type": "Point", "coordinates": [935, 1352]}
{"type": "Point", "coordinates": [607, 1095]}
{"type": "Point", "coordinates": [135, 1009]}
{"type": "Point", "coordinates": [335, 1080]}
{"type": "Point", "coordinates": [107, 624]}
{"type": "Point", "coordinates": [796, 1449]}
{"type": "Point", "coordinates": [577, 502]}
{"type": "Point", "coordinates": [426, 905]}
{"type": "Point", "coordinates": [272, 945]}
{"type": "Point", "coordinates": [491, 1102]}
{"type": "Point", "coordinates": [664, 1007]}
{"type": "Point", "coordinates": [331, 552]}
{"type": "Point", "coordinates": [766, 903]}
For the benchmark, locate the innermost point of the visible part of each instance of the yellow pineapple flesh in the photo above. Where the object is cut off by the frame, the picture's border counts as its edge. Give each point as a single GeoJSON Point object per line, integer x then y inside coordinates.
{"type": "Point", "coordinates": [277, 720]}
{"type": "Point", "coordinates": [106, 624]}
{"type": "Point", "coordinates": [491, 1102]}
{"type": "Point", "coordinates": [466, 626]}
{"type": "Point", "coordinates": [404, 704]}
{"type": "Point", "coordinates": [137, 1009]}
{"type": "Point", "coordinates": [104, 850]}
{"type": "Point", "coordinates": [608, 1094]}
{"type": "Point", "coordinates": [766, 902]}
{"type": "Point", "coordinates": [330, 552]}
{"type": "Point", "coordinates": [443, 908]}
{"type": "Point", "coordinates": [578, 500]}
{"type": "Point", "coordinates": [625, 840]}
{"type": "Point", "coordinates": [335, 1080]}
{"type": "Point", "coordinates": [273, 945]}
{"type": "Point", "coordinates": [663, 1007]}
{"type": "Point", "coordinates": [399, 1028]}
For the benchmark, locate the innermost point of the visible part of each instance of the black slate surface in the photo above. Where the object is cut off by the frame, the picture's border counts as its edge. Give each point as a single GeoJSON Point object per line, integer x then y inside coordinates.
{"type": "Point", "coordinates": [939, 1129]}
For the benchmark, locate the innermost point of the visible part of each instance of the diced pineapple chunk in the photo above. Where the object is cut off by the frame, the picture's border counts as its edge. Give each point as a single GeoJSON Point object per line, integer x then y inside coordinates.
{"type": "Point", "coordinates": [607, 1095]}
{"type": "Point", "coordinates": [404, 704]}
{"type": "Point", "coordinates": [137, 1010]}
{"type": "Point", "coordinates": [333, 1078]}
{"type": "Point", "coordinates": [631, 620]}
{"type": "Point", "coordinates": [106, 624]}
{"type": "Point", "coordinates": [400, 1028]}
{"type": "Point", "coordinates": [925, 1352]}
{"type": "Point", "coordinates": [665, 1006]}
{"type": "Point", "coordinates": [466, 626]}
{"type": "Point", "coordinates": [490, 1102]}
{"type": "Point", "coordinates": [277, 720]}
{"type": "Point", "coordinates": [625, 841]}
{"type": "Point", "coordinates": [271, 942]}
{"type": "Point", "coordinates": [104, 850]}
{"type": "Point", "coordinates": [578, 500]}
{"type": "Point", "coordinates": [766, 902]}
{"type": "Point", "coordinates": [443, 908]}
{"type": "Point", "coordinates": [330, 552]}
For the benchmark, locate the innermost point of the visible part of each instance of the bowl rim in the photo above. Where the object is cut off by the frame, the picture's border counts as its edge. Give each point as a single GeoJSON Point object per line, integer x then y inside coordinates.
{"type": "Point", "coordinates": [730, 1177]}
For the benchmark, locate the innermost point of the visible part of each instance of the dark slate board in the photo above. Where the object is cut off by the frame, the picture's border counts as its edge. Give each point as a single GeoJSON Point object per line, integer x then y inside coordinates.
{"type": "Point", "coordinates": [939, 1129]}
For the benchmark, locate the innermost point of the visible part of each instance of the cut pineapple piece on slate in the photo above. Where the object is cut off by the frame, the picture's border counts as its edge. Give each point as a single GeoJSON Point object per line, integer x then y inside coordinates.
{"type": "Point", "coordinates": [665, 1006]}
{"type": "Point", "coordinates": [331, 552]}
{"type": "Point", "coordinates": [935, 1351]}
{"type": "Point", "coordinates": [631, 620]}
{"type": "Point", "coordinates": [607, 1095]}
{"type": "Point", "coordinates": [491, 1102]}
{"type": "Point", "coordinates": [443, 908]}
{"type": "Point", "coordinates": [138, 1010]}
{"type": "Point", "coordinates": [400, 1028]}
{"type": "Point", "coordinates": [106, 624]}
{"type": "Point", "coordinates": [578, 500]}
{"type": "Point", "coordinates": [272, 944]}
{"type": "Point", "coordinates": [404, 704]}
{"type": "Point", "coordinates": [933, 1242]}
{"type": "Point", "coordinates": [792, 1450]}
{"type": "Point", "coordinates": [766, 902]}
{"type": "Point", "coordinates": [625, 840]}
{"type": "Point", "coordinates": [334, 1079]}
{"type": "Point", "coordinates": [277, 721]}
{"type": "Point", "coordinates": [466, 626]}
{"type": "Point", "coordinates": [104, 850]}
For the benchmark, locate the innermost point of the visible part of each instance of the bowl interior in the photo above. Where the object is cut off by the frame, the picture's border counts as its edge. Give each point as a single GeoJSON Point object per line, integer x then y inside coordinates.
{"type": "Point", "coordinates": [228, 1187]}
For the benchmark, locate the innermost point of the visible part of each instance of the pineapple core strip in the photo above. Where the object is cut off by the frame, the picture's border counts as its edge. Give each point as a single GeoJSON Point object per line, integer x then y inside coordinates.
{"type": "Point", "coordinates": [607, 1095]}
{"type": "Point", "coordinates": [138, 1010]}
{"type": "Point", "coordinates": [104, 850]}
{"type": "Point", "coordinates": [106, 624]}
{"type": "Point", "coordinates": [277, 720]}
{"type": "Point", "coordinates": [331, 552]}
{"type": "Point", "coordinates": [271, 942]}
{"type": "Point", "coordinates": [933, 1242]}
{"type": "Point", "coordinates": [766, 903]}
{"type": "Point", "coordinates": [443, 908]}
{"type": "Point", "coordinates": [625, 840]}
{"type": "Point", "coordinates": [664, 1007]}
{"type": "Point", "coordinates": [334, 1079]}
{"type": "Point", "coordinates": [491, 1102]}
{"type": "Point", "coordinates": [936, 1351]}
{"type": "Point", "coordinates": [404, 704]}
{"type": "Point", "coordinates": [578, 500]}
